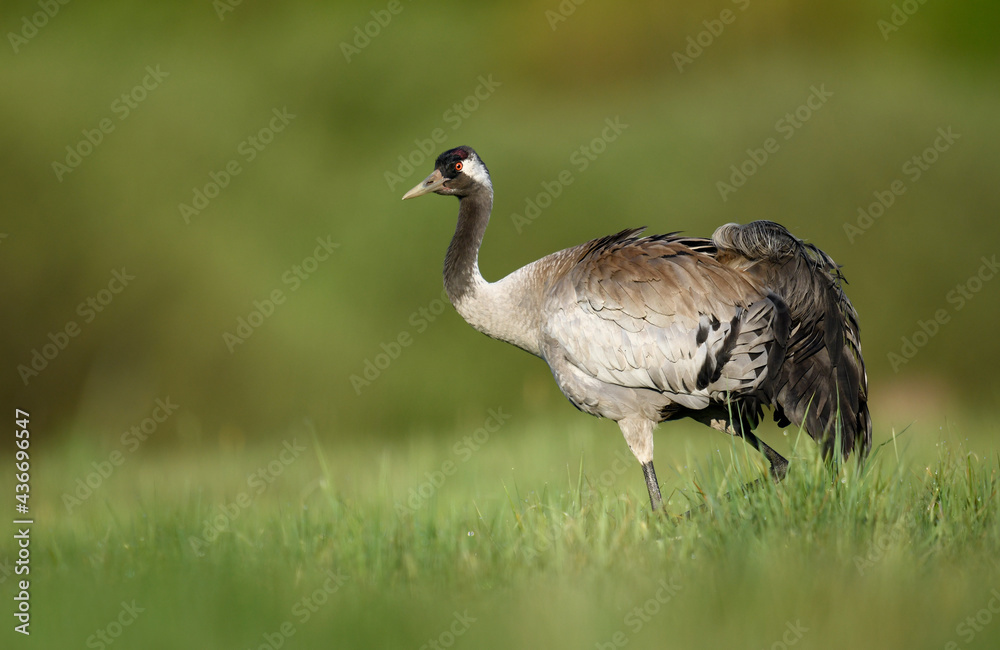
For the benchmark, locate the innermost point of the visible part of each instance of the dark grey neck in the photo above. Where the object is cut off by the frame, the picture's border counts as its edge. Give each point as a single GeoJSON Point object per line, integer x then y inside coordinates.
{"type": "Point", "coordinates": [461, 264]}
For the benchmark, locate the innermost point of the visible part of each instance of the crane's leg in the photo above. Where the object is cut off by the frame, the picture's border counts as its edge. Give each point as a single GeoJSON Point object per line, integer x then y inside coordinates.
{"type": "Point", "coordinates": [779, 465]}
{"type": "Point", "coordinates": [639, 436]}
{"type": "Point", "coordinates": [720, 421]}
{"type": "Point", "coordinates": [655, 500]}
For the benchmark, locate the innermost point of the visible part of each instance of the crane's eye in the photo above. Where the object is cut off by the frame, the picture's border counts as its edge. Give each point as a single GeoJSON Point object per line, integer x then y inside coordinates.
{"type": "Point", "coordinates": [458, 166]}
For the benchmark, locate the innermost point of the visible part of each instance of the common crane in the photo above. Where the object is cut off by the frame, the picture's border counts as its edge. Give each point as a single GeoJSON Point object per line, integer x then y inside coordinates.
{"type": "Point", "coordinates": [642, 330]}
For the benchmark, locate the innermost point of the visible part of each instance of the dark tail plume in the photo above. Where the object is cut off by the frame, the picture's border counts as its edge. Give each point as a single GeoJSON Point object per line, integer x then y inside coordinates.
{"type": "Point", "coordinates": [823, 373]}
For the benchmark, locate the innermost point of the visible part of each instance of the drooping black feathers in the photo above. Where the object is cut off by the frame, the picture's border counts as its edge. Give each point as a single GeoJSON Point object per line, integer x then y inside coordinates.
{"type": "Point", "coordinates": [823, 372]}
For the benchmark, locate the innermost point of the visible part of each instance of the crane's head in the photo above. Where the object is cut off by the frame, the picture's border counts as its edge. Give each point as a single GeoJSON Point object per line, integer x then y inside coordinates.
{"type": "Point", "coordinates": [457, 172]}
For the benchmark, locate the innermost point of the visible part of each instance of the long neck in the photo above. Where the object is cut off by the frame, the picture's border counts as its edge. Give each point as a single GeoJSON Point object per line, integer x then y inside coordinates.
{"type": "Point", "coordinates": [462, 278]}
{"type": "Point", "coordinates": [506, 310]}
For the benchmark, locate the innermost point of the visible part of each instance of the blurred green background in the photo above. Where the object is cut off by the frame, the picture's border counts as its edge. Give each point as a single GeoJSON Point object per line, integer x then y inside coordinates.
{"type": "Point", "coordinates": [360, 103]}
{"type": "Point", "coordinates": [240, 165]}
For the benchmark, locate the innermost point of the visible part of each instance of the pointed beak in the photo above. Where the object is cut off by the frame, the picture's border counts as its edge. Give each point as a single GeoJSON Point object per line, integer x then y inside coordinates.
{"type": "Point", "coordinates": [428, 185]}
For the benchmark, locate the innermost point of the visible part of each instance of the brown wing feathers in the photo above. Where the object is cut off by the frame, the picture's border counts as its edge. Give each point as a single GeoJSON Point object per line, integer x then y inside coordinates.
{"type": "Point", "coordinates": [753, 315]}
{"type": "Point", "coordinates": [674, 319]}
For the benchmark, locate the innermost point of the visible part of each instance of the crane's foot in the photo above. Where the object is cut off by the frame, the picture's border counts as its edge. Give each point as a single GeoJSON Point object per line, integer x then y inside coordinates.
{"type": "Point", "coordinates": [779, 465]}
{"type": "Point", "coordinates": [747, 488]}
{"type": "Point", "coordinates": [722, 422]}
{"type": "Point", "coordinates": [779, 468]}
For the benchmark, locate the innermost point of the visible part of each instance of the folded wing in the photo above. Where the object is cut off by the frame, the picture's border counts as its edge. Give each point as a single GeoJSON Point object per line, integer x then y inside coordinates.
{"type": "Point", "coordinates": [661, 314]}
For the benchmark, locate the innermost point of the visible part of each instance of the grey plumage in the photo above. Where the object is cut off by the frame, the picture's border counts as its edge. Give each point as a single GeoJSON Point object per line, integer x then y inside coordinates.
{"type": "Point", "coordinates": [647, 329]}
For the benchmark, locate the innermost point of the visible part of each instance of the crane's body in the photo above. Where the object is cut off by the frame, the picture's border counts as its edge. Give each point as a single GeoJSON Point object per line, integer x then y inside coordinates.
{"type": "Point", "coordinates": [642, 330]}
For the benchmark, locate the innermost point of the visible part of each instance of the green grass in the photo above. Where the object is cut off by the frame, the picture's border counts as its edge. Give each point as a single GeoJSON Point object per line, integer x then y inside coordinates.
{"type": "Point", "coordinates": [543, 536]}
